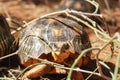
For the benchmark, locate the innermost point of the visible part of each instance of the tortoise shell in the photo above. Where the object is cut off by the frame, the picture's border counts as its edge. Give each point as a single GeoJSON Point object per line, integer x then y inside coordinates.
{"type": "Point", "coordinates": [6, 39]}
{"type": "Point", "coordinates": [47, 35]}
{"type": "Point", "coordinates": [80, 5]}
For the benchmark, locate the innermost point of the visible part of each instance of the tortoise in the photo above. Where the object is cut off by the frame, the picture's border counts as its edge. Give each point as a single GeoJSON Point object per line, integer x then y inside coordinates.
{"type": "Point", "coordinates": [6, 39]}
{"type": "Point", "coordinates": [7, 44]}
{"type": "Point", "coordinates": [79, 5]}
{"type": "Point", "coordinates": [5, 36]}
{"type": "Point", "coordinates": [55, 38]}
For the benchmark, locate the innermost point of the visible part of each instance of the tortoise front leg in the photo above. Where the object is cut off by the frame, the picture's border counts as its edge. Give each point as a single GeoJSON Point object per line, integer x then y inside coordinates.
{"type": "Point", "coordinates": [37, 71]}
{"type": "Point", "coordinates": [42, 69]}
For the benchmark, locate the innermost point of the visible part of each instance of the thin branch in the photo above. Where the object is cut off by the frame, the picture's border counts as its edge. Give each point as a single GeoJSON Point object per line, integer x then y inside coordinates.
{"type": "Point", "coordinates": [15, 53]}
{"type": "Point", "coordinates": [77, 59]}
{"type": "Point", "coordinates": [116, 67]}
{"type": "Point", "coordinates": [97, 60]}
{"type": "Point", "coordinates": [87, 24]}
{"type": "Point", "coordinates": [94, 3]}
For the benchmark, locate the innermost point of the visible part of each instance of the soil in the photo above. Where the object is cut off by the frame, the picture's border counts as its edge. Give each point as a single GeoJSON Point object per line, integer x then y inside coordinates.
{"type": "Point", "coordinates": [24, 11]}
